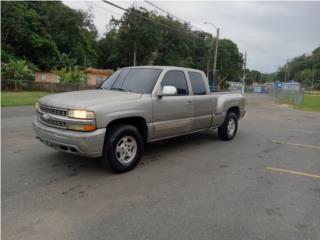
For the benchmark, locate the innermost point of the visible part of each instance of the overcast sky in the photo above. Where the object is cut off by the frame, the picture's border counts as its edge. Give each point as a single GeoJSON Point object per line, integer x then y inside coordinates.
{"type": "Point", "coordinates": [270, 32]}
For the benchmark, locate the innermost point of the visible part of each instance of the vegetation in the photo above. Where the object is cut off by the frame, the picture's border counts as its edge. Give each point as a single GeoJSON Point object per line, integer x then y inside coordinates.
{"type": "Point", "coordinates": [304, 69]}
{"type": "Point", "coordinates": [253, 76]}
{"type": "Point", "coordinates": [310, 103]}
{"type": "Point", "coordinates": [20, 98]}
{"type": "Point", "coordinates": [70, 75]}
{"type": "Point", "coordinates": [165, 41]}
{"type": "Point", "coordinates": [40, 31]}
{"type": "Point", "coordinates": [18, 71]}
{"type": "Point", "coordinates": [50, 35]}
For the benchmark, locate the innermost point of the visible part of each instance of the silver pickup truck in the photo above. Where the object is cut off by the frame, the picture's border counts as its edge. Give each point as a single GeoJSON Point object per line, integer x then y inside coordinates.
{"type": "Point", "coordinates": [136, 105]}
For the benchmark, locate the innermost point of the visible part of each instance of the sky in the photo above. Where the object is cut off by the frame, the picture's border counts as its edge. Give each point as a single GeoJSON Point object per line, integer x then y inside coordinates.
{"type": "Point", "coordinates": [270, 32]}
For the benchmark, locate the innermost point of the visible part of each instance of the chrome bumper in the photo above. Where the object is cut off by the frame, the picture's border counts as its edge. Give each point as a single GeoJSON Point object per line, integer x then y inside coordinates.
{"type": "Point", "coordinates": [88, 144]}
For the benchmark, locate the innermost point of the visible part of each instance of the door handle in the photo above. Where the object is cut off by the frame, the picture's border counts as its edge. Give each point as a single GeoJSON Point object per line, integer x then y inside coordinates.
{"type": "Point", "coordinates": [189, 102]}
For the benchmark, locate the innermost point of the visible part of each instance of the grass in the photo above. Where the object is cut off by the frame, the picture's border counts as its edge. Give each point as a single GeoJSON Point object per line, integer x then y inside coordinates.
{"type": "Point", "coordinates": [20, 98]}
{"type": "Point", "coordinates": [310, 103]}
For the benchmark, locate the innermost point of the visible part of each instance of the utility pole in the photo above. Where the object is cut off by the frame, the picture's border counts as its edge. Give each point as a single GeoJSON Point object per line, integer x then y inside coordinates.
{"type": "Point", "coordinates": [244, 72]}
{"type": "Point", "coordinates": [208, 64]}
{"type": "Point", "coordinates": [287, 72]}
{"type": "Point", "coordinates": [313, 73]}
{"type": "Point", "coordinates": [215, 59]}
{"type": "Point", "coordinates": [134, 53]}
{"type": "Point", "coordinates": [215, 53]}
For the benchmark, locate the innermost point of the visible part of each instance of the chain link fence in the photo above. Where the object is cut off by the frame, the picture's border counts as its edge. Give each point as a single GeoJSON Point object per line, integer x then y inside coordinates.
{"type": "Point", "coordinates": [294, 97]}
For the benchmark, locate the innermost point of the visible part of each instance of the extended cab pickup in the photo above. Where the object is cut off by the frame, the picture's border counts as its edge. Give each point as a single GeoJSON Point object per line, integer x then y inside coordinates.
{"type": "Point", "coordinates": [136, 105]}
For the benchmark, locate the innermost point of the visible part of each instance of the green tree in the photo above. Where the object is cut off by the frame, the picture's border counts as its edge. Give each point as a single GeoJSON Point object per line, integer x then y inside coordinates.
{"type": "Point", "coordinates": [302, 68]}
{"type": "Point", "coordinates": [23, 35]}
{"type": "Point", "coordinates": [230, 61]}
{"type": "Point", "coordinates": [50, 34]}
{"type": "Point", "coordinates": [164, 41]}
{"type": "Point", "coordinates": [70, 75]}
{"type": "Point", "coordinates": [64, 60]}
{"type": "Point", "coordinates": [39, 30]}
{"type": "Point", "coordinates": [253, 76]}
{"type": "Point", "coordinates": [18, 71]}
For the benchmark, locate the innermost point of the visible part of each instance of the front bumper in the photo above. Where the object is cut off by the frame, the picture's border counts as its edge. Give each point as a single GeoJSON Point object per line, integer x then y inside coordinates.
{"type": "Point", "coordinates": [88, 144]}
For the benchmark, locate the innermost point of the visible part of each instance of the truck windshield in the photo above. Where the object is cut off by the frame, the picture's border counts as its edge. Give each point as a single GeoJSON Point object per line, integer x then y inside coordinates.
{"type": "Point", "coordinates": [138, 80]}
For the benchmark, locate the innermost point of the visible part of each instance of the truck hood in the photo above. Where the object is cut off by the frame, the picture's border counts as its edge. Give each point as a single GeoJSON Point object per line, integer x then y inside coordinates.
{"type": "Point", "coordinates": [85, 99]}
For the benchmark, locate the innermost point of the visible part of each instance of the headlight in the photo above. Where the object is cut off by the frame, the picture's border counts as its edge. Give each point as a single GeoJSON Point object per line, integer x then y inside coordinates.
{"type": "Point", "coordinates": [37, 105]}
{"type": "Point", "coordinates": [81, 114]}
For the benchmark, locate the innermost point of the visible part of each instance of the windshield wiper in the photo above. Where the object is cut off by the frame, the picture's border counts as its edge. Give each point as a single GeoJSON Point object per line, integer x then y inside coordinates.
{"type": "Point", "coordinates": [121, 89]}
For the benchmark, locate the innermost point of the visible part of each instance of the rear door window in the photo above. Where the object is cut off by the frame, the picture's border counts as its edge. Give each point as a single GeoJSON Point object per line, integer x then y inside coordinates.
{"type": "Point", "coordinates": [197, 83]}
{"type": "Point", "coordinates": [177, 79]}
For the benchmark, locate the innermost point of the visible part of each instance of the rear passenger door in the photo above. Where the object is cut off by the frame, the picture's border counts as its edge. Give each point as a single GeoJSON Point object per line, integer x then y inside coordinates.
{"type": "Point", "coordinates": [202, 101]}
{"type": "Point", "coordinates": [172, 115]}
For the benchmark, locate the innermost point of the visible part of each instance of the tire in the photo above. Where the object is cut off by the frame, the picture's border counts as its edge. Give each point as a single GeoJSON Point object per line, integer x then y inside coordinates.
{"type": "Point", "coordinates": [226, 132]}
{"type": "Point", "coordinates": [123, 148]}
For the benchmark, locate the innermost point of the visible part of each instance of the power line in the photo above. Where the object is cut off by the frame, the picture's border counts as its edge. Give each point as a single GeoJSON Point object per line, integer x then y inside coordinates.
{"type": "Point", "coordinates": [142, 16]}
{"type": "Point", "coordinates": [99, 7]}
{"type": "Point", "coordinates": [169, 14]}
{"type": "Point", "coordinates": [173, 16]}
{"type": "Point", "coordinates": [139, 15]}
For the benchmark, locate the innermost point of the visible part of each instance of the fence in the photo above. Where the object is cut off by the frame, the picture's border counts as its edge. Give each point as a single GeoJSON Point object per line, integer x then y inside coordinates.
{"type": "Point", "coordinates": [10, 85]}
{"type": "Point", "coordinates": [257, 89]}
{"type": "Point", "coordinates": [288, 96]}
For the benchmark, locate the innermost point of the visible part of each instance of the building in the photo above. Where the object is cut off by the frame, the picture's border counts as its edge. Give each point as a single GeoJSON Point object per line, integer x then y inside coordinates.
{"type": "Point", "coordinates": [46, 77]}
{"type": "Point", "coordinates": [93, 76]}
{"type": "Point", "coordinates": [235, 86]}
{"type": "Point", "coordinates": [96, 76]}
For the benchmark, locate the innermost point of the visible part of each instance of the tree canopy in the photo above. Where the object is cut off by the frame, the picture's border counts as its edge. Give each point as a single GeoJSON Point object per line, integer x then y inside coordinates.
{"type": "Point", "coordinates": [304, 69]}
{"type": "Point", "coordinates": [51, 35]}
{"type": "Point", "coordinates": [41, 31]}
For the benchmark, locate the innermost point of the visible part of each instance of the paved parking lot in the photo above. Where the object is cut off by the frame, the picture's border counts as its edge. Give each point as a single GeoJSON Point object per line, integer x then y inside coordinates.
{"type": "Point", "coordinates": [265, 184]}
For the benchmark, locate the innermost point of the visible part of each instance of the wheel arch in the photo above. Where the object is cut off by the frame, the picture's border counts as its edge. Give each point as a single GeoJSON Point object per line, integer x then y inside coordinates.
{"type": "Point", "coordinates": [139, 122]}
{"type": "Point", "coordinates": [234, 109]}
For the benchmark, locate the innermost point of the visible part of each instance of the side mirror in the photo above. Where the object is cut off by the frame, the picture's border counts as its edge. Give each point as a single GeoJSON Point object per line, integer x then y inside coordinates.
{"type": "Point", "coordinates": [168, 91]}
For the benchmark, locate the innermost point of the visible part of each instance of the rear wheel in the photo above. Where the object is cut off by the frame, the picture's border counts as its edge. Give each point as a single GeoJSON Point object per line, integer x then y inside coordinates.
{"type": "Point", "coordinates": [229, 127]}
{"type": "Point", "coordinates": [123, 148]}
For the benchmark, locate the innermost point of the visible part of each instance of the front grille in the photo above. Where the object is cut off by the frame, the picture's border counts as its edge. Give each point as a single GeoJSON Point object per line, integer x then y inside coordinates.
{"type": "Point", "coordinates": [53, 122]}
{"type": "Point", "coordinates": [53, 111]}
{"type": "Point", "coordinates": [53, 115]}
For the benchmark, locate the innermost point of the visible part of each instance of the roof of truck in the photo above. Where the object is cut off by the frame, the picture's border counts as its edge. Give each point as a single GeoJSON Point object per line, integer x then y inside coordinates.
{"type": "Point", "coordinates": [165, 67]}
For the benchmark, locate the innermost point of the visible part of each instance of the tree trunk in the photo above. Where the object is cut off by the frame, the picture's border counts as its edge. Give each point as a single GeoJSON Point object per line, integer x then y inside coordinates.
{"type": "Point", "coordinates": [154, 55]}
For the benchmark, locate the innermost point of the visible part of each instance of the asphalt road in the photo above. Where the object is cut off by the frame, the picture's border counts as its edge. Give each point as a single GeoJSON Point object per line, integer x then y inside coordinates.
{"type": "Point", "coordinates": [194, 187]}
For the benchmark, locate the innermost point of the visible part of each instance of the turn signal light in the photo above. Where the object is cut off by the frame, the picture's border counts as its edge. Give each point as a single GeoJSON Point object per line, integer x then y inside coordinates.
{"type": "Point", "coordinates": [89, 128]}
{"type": "Point", "coordinates": [83, 128]}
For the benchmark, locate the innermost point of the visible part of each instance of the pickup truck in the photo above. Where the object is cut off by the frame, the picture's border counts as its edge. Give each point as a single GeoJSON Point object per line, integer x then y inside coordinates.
{"type": "Point", "coordinates": [133, 107]}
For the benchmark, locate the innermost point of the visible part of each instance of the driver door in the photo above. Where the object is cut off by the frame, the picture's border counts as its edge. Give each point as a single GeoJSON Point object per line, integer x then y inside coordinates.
{"type": "Point", "coordinates": [173, 115]}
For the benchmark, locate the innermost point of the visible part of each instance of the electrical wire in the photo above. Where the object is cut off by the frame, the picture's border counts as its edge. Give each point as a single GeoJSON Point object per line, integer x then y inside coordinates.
{"type": "Point", "coordinates": [142, 16]}
{"type": "Point", "coordinates": [101, 7]}
{"type": "Point", "coordinates": [173, 16]}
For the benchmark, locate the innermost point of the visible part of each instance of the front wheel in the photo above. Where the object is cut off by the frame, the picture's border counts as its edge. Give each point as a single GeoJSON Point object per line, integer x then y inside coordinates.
{"type": "Point", "coordinates": [229, 127]}
{"type": "Point", "coordinates": [123, 148]}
